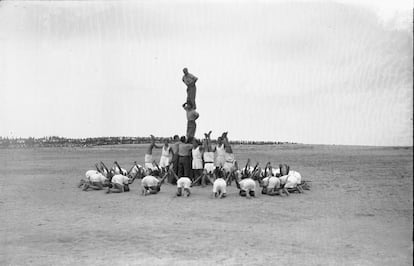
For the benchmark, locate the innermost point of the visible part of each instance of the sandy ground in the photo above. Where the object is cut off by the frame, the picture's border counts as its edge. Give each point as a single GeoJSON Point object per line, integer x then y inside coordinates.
{"type": "Point", "coordinates": [359, 212]}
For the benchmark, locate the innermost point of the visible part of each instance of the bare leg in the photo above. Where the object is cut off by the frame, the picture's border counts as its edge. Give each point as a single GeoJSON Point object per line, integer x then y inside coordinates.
{"type": "Point", "coordinates": [188, 191]}
{"type": "Point", "coordinates": [179, 192]}
{"type": "Point", "coordinates": [117, 188]}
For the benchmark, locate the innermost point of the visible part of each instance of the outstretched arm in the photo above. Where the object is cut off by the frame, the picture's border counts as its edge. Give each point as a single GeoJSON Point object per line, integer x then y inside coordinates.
{"type": "Point", "coordinates": [130, 170]}
{"type": "Point", "coordinates": [119, 167]}
{"type": "Point", "coordinates": [104, 167]}
{"type": "Point", "coordinates": [97, 168]}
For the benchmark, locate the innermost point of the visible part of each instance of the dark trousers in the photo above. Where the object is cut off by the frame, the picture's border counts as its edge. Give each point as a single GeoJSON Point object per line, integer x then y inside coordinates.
{"type": "Point", "coordinates": [171, 178]}
{"type": "Point", "coordinates": [191, 128]}
{"type": "Point", "coordinates": [191, 95]}
{"type": "Point", "coordinates": [184, 166]}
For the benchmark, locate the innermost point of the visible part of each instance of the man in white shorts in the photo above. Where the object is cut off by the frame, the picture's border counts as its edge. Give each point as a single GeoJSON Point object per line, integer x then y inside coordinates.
{"type": "Point", "coordinates": [148, 155]}
{"type": "Point", "coordinates": [197, 159]}
{"type": "Point", "coordinates": [208, 157]}
{"type": "Point", "coordinates": [247, 185]}
{"type": "Point", "coordinates": [220, 153]}
{"type": "Point", "coordinates": [219, 185]}
{"type": "Point", "coordinates": [293, 182]}
{"type": "Point", "coordinates": [94, 180]}
{"type": "Point", "coordinates": [270, 183]}
{"type": "Point", "coordinates": [119, 184]}
{"type": "Point", "coordinates": [183, 183]}
{"type": "Point", "coordinates": [151, 184]}
{"type": "Point", "coordinates": [165, 155]}
{"type": "Point", "coordinates": [229, 156]}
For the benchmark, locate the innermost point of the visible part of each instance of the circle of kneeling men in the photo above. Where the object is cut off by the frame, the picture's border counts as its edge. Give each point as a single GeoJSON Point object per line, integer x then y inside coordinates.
{"type": "Point", "coordinates": [273, 181]}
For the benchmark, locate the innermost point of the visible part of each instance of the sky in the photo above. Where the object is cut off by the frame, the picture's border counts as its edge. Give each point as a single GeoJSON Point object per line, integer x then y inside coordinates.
{"type": "Point", "coordinates": [315, 72]}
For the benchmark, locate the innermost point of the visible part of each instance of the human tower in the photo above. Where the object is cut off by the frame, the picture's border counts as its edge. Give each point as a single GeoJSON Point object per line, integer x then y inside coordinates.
{"type": "Point", "coordinates": [188, 162]}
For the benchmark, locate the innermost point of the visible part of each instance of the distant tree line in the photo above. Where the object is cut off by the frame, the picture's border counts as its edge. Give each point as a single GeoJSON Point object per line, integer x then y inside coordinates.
{"type": "Point", "coordinates": [55, 141]}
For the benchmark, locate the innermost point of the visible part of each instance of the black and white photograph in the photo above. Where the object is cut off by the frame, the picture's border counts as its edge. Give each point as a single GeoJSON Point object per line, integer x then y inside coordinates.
{"type": "Point", "coordinates": [206, 132]}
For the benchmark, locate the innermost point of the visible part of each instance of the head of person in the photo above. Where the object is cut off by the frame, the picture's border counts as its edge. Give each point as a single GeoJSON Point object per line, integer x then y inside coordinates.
{"type": "Point", "coordinates": [185, 71]}
{"type": "Point", "coordinates": [284, 169]}
{"type": "Point", "coordinates": [220, 140]}
{"type": "Point", "coordinates": [176, 138]}
{"type": "Point", "coordinates": [190, 140]}
{"type": "Point", "coordinates": [148, 172]}
{"type": "Point", "coordinates": [183, 139]}
{"type": "Point", "coordinates": [156, 172]}
{"type": "Point", "coordinates": [166, 141]}
{"type": "Point", "coordinates": [245, 174]}
{"type": "Point", "coordinates": [188, 106]}
{"type": "Point", "coordinates": [218, 172]}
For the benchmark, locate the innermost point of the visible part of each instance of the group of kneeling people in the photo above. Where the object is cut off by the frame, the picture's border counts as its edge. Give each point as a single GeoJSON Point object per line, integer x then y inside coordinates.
{"type": "Point", "coordinates": [273, 181]}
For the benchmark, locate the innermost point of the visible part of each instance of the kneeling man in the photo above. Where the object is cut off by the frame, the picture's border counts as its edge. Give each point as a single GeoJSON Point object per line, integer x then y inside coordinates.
{"type": "Point", "coordinates": [120, 183]}
{"type": "Point", "coordinates": [219, 185]}
{"type": "Point", "coordinates": [183, 183]}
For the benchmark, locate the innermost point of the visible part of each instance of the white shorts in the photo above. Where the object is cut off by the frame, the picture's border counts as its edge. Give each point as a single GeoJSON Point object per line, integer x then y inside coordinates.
{"type": "Point", "coordinates": [209, 167]}
{"type": "Point", "coordinates": [164, 161]}
{"type": "Point", "coordinates": [197, 164]}
{"type": "Point", "coordinates": [219, 185]}
{"type": "Point", "coordinates": [220, 160]}
{"type": "Point", "coordinates": [183, 182]}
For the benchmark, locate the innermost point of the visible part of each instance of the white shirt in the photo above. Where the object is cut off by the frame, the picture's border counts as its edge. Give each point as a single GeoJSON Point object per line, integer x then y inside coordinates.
{"type": "Point", "coordinates": [248, 184]}
{"type": "Point", "coordinates": [165, 151]}
{"type": "Point", "coordinates": [220, 150]}
{"type": "Point", "coordinates": [184, 182]}
{"type": "Point", "coordinates": [120, 179]}
{"type": "Point", "coordinates": [293, 179]}
{"type": "Point", "coordinates": [197, 159]}
{"type": "Point", "coordinates": [273, 182]}
{"type": "Point", "coordinates": [208, 157]}
{"type": "Point", "coordinates": [149, 181]}
{"type": "Point", "coordinates": [98, 177]}
{"type": "Point", "coordinates": [219, 185]}
{"type": "Point", "coordinates": [90, 173]}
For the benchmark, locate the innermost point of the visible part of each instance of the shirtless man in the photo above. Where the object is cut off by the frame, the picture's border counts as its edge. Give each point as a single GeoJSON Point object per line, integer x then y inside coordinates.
{"type": "Point", "coordinates": [148, 155]}
{"type": "Point", "coordinates": [192, 116]}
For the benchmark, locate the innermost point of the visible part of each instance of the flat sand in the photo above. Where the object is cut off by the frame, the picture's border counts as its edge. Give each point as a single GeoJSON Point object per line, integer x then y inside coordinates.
{"type": "Point", "coordinates": [359, 211]}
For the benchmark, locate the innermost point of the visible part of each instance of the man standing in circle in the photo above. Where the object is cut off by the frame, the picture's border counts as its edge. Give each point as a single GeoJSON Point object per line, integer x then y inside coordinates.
{"type": "Point", "coordinates": [190, 80]}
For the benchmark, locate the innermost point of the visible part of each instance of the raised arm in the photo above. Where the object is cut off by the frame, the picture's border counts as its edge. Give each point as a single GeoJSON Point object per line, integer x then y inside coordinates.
{"type": "Point", "coordinates": [130, 170]}
{"type": "Point", "coordinates": [104, 167]}
{"type": "Point", "coordinates": [97, 168]}
{"type": "Point", "coordinates": [119, 167]}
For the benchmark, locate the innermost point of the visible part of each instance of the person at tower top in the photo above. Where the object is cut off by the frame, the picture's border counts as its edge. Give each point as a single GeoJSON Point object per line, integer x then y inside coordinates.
{"type": "Point", "coordinates": [190, 80]}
